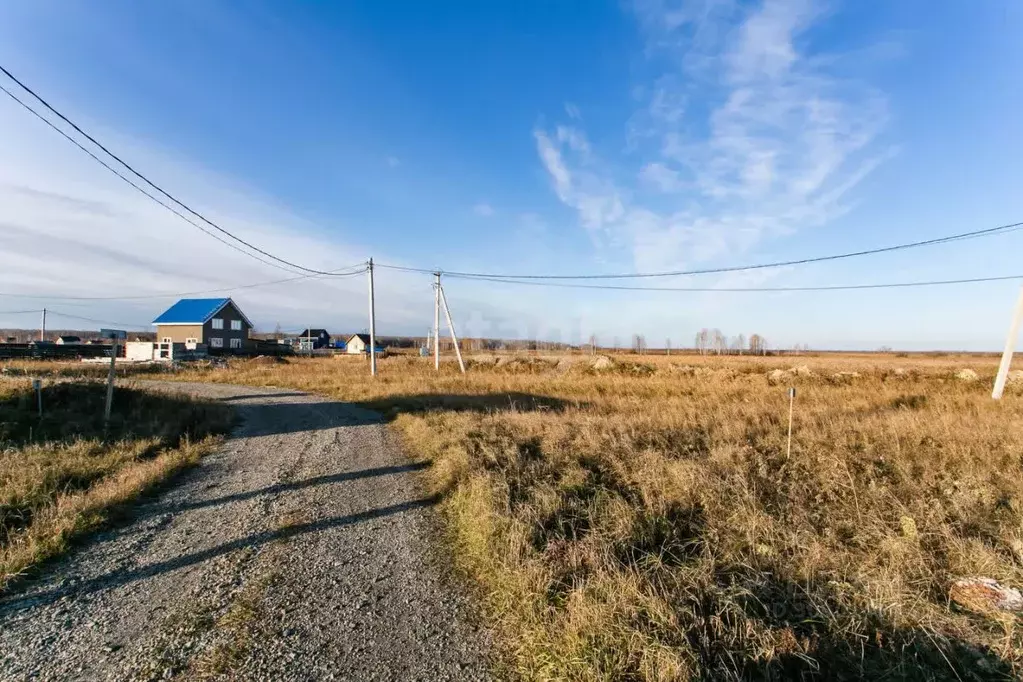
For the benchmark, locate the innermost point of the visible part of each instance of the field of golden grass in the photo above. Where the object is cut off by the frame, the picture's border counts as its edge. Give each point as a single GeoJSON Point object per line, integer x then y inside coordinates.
{"type": "Point", "coordinates": [640, 520]}
{"type": "Point", "coordinates": [61, 476]}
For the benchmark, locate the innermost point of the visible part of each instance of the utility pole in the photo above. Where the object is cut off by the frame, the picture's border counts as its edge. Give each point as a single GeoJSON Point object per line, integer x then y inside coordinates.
{"type": "Point", "coordinates": [667, 347]}
{"type": "Point", "coordinates": [1010, 346]}
{"type": "Point", "coordinates": [436, 321]}
{"type": "Point", "coordinates": [42, 327]}
{"type": "Point", "coordinates": [451, 326]}
{"type": "Point", "coordinates": [372, 325]}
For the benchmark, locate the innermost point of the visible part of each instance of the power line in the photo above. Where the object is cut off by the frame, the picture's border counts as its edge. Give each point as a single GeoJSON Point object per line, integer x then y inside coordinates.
{"type": "Point", "coordinates": [843, 287]}
{"type": "Point", "coordinates": [339, 273]}
{"type": "Point", "coordinates": [142, 177]}
{"type": "Point", "coordinates": [1001, 229]}
{"type": "Point", "coordinates": [133, 184]}
{"type": "Point", "coordinates": [57, 313]}
{"type": "Point", "coordinates": [19, 312]}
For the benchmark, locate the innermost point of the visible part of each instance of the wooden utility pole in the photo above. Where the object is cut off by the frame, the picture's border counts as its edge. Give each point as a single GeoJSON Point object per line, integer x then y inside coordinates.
{"type": "Point", "coordinates": [451, 326]}
{"type": "Point", "coordinates": [372, 324]}
{"type": "Point", "coordinates": [1010, 347]}
{"type": "Point", "coordinates": [436, 321]}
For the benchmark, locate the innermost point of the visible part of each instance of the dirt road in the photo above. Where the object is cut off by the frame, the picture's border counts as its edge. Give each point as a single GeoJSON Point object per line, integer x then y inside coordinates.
{"type": "Point", "coordinates": [299, 551]}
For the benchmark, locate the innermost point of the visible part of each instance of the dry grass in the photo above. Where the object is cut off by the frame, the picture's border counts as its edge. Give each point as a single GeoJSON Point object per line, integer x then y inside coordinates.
{"type": "Point", "coordinates": [643, 522]}
{"type": "Point", "coordinates": [60, 477]}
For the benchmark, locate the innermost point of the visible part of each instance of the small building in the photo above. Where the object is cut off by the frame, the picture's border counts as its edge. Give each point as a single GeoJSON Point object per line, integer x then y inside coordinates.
{"type": "Point", "coordinates": [69, 340]}
{"type": "Point", "coordinates": [147, 351]}
{"type": "Point", "coordinates": [358, 344]}
{"type": "Point", "coordinates": [313, 339]}
{"type": "Point", "coordinates": [217, 323]}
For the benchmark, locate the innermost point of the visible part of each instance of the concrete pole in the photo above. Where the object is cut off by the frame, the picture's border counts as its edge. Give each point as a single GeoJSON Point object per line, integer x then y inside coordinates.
{"type": "Point", "coordinates": [437, 321]}
{"type": "Point", "coordinates": [372, 325]}
{"type": "Point", "coordinates": [451, 326]}
{"type": "Point", "coordinates": [110, 384]}
{"type": "Point", "coordinates": [1010, 346]}
{"type": "Point", "coordinates": [42, 327]}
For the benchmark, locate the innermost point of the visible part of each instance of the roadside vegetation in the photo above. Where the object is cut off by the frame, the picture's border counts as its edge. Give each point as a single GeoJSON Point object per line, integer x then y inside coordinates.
{"type": "Point", "coordinates": [637, 518]}
{"type": "Point", "coordinates": [61, 476]}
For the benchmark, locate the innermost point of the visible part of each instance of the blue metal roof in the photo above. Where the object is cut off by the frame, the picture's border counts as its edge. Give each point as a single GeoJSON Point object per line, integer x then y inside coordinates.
{"type": "Point", "coordinates": [192, 311]}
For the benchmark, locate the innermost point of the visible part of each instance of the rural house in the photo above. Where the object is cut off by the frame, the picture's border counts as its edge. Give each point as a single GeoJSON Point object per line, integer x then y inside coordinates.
{"type": "Point", "coordinates": [311, 339]}
{"type": "Point", "coordinates": [358, 344]}
{"type": "Point", "coordinates": [216, 322]}
{"type": "Point", "coordinates": [69, 340]}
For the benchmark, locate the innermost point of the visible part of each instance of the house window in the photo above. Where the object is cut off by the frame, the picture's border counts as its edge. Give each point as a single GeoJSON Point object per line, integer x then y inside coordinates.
{"type": "Point", "coordinates": [216, 342]}
{"type": "Point", "coordinates": [218, 323]}
{"type": "Point", "coordinates": [236, 344]}
{"type": "Point", "coordinates": [236, 325]}
{"type": "Point", "coordinates": [167, 339]}
{"type": "Point", "coordinates": [192, 341]}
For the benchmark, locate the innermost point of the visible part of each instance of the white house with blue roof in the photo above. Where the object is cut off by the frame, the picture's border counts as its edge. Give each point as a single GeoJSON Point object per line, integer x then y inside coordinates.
{"type": "Point", "coordinates": [217, 322]}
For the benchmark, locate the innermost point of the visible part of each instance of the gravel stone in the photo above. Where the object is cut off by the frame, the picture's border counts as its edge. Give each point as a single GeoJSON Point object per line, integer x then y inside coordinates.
{"type": "Point", "coordinates": [300, 550]}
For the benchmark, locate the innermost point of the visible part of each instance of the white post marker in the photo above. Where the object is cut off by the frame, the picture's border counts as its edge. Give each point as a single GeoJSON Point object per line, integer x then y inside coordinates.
{"type": "Point", "coordinates": [42, 327]}
{"type": "Point", "coordinates": [451, 326]}
{"type": "Point", "coordinates": [372, 325]}
{"type": "Point", "coordinates": [792, 401]}
{"type": "Point", "coordinates": [1010, 346]}
{"type": "Point", "coordinates": [436, 321]}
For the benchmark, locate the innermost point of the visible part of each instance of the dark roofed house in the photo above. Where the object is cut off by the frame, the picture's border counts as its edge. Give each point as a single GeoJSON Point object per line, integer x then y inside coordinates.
{"type": "Point", "coordinates": [69, 340]}
{"type": "Point", "coordinates": [217, 322]}
{"type": "Point", "coordinates": [358, 343]}
{"type": "Point", "coordinates": [311, 339]}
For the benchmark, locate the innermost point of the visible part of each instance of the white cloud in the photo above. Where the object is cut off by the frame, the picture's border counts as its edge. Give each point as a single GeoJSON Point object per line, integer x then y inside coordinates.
{"type": "Point", "coordinates": [70, 228]}
{"type": "Point", "coordinates": [572, 111]}
{"type": "Point", "coordinates": [747, 136]}
{"type": "Point", "coordinates": [483, 209]}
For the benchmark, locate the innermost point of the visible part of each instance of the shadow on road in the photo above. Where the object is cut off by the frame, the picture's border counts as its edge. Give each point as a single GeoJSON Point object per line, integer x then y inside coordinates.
{"type": "Point", "coordinates": [510, 401]}
{"type": "Point", "coordinates": [298, 485]}
{"type": "Point", "coordinates": [123, 577]}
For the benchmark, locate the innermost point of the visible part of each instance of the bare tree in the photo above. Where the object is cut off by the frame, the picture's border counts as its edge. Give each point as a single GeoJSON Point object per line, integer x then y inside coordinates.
{"type": "Point", "coordinates": [593, 344]}
{"type": "Point", "coordinates": [667, 346]}
{"type": "Point", "coordinates": [638, 343]}
{"type": "Point", "coordinates": [741, 342]}
{"type": "Point", "coordinates": [718, 341]}
{"type": "Point", "coordinates": [757, 344]}
{"type": "Point", "coordinates": [703, 340]}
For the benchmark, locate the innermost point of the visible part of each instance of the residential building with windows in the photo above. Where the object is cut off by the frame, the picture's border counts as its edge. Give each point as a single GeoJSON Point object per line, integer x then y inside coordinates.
{"type": "Point", "coordinates": [217, 322]}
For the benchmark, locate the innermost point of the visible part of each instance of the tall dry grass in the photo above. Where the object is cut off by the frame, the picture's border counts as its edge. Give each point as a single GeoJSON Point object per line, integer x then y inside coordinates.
{"type": "Point", "coordinates": [64, 475]}
{"type": "Point", "coordinates": [642, 521]}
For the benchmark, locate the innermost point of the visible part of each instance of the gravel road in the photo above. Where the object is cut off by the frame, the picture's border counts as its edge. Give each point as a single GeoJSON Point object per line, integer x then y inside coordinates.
{"type": "Point", "coordinates": [299, 551]}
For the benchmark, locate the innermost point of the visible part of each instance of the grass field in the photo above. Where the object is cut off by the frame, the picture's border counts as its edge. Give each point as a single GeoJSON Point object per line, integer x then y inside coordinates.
{"type": "Point", "coordinates": [61, 476]}
{"type": "Point", "coordinates": [641, 520]}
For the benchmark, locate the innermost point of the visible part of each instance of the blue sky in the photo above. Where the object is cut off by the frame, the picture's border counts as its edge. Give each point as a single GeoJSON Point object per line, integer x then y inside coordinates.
{"type": "Point", "coordinates": [526, 137]}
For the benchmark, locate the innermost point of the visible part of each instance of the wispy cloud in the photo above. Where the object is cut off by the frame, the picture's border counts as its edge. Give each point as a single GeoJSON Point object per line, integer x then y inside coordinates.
{"type": "Point", "coordinates": [70, 228]}
{"type": "Point", "coordinates": [483, 209]}
{"type": "Point", "coordinates": [744, 136]}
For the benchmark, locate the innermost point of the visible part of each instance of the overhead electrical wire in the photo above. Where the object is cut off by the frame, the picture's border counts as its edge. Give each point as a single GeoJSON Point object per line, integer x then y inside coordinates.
{"type": "Point", "coordinates": [1001, 229]}
{"type": "Point", "coordinates": [129, 325]}
{"type": "Point", "coordinates": [146, 180]}
{"type": "Point", "coordinates": [841, 287]}
{"type": "Point", "coordinates": [339, 273]}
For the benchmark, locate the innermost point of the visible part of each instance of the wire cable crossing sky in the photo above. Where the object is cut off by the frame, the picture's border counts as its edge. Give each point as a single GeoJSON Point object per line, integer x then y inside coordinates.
{"type": "Point", "coordinates": [797, 147]}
